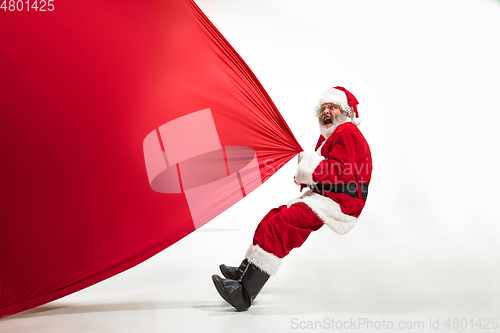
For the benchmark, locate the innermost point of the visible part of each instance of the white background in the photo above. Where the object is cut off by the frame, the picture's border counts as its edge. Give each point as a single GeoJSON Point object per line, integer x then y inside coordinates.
{"type": "Point", "coordinates": [426, 247]}
{"type": "Point", "coordinates": [427, 75]}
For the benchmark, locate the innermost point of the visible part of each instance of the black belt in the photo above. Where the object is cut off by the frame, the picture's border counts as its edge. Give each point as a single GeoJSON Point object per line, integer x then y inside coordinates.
{"type": "Point", "coordinates": [349, 189]}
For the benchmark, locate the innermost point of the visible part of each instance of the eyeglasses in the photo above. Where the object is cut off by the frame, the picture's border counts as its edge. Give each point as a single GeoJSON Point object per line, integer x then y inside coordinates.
{"type": "Point", "coordinates": [330, 107]}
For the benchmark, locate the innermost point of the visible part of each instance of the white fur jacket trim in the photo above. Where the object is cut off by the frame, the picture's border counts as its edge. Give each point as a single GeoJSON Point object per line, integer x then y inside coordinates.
{"type": "Point", "coordinates": [308, 161]}
{"type": "Point", "coordinates": [328, 211]}
{"type": "Point", "coordinates": [265, 261]}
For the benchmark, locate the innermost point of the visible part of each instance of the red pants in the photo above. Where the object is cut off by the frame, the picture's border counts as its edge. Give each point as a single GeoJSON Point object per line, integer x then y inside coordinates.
{"type": "Point", "coordinates": [283, 229]}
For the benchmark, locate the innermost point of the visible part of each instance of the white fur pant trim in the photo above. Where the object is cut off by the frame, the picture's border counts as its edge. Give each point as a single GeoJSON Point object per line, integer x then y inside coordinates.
{"type": "Point", "coordinates": [265, 261]}
{"type": "Point", "coordinates": [328, 211]}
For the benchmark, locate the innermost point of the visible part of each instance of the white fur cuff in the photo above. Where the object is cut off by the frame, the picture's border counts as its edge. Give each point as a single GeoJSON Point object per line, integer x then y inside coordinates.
{"type": "Point", "coordinates": [308, 161]}
{"type": "Point", "coordinates": [265, 261]}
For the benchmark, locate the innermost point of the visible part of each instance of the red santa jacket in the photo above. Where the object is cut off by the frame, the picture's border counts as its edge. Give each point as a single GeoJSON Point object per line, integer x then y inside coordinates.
{"type": "Point", "coordinates": [347, 160]}
{"type": "Point", "coordinates": [343, 158]}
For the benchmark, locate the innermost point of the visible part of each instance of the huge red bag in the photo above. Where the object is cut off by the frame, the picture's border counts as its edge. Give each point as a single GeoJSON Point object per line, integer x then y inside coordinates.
{"type": "Point", "coordinates": [124, 127]}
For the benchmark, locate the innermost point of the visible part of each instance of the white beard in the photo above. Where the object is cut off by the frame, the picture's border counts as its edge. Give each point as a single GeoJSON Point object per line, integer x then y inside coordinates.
{"type": "Point", "coordinates": [339, 120]}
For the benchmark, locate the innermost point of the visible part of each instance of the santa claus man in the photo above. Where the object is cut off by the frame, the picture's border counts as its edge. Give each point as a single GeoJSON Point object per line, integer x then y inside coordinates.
{"type": "Point", "coordinates": [337, 173]}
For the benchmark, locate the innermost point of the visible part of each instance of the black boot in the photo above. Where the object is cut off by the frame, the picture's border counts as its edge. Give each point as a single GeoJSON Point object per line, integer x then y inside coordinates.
{"type": "Point", "coordinates": [240, 294]}
{"type": "Point", "coordinates": [234, 273]}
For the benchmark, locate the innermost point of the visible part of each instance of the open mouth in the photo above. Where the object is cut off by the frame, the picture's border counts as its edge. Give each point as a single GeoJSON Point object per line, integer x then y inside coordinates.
{"type": "Point", "coordinates": [327, 119]}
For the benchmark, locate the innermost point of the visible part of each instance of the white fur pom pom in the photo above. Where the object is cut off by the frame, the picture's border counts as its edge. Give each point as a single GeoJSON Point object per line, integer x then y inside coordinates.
{"type": "Point", "coordinates": [356, 121]}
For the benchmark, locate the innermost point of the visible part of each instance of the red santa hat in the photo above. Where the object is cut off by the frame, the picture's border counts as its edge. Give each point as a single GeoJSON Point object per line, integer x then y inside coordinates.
{"type": "Point", "coordinates": [343, 98]}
